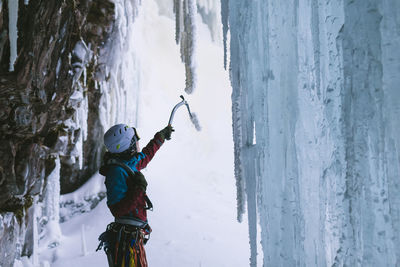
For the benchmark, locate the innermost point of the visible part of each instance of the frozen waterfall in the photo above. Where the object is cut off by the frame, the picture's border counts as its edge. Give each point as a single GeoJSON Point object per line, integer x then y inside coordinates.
{"type": "Point", "coordinates": [317, 84]}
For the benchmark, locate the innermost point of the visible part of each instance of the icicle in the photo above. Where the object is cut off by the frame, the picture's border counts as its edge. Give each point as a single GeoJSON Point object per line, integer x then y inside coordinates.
{"type": "Point", "coordinates": [238, 145]}
{"type": "Point", "coordinates": [178, 21]}
{"type": "Point", "coordinates": [189, 44]}
{"type": "Point", "coordinates": [13, 31]}
{"type": "Point", "coordinates": [35, 256]}
{"type": "Point", "coordinates": [225, 26]}
{"type": "Point", "coordinates": [186, 12]}
{"type": "Point", "coordinates": [52, 233]}
{"type": "Point", "coordinates": [80, 102]}
{"type": "Point", "coordinates": [58, 67]}
{"type": "Point", "coordinates": [84, 76]}
{"type": "Point", "coordinates": [53, 193]}
{"type": "Point", "coordinates": [254, 133]}
{"type": "Point", "coordinates": [83, 239]}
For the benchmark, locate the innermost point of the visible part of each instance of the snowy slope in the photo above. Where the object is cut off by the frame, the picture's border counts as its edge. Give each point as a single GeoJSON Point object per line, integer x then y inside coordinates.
{"type": "Point", "coordinates": [191, 180]}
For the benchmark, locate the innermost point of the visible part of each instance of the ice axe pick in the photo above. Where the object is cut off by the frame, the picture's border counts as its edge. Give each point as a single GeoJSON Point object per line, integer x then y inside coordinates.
{"type": "Point", "coordinates": [193, 116]}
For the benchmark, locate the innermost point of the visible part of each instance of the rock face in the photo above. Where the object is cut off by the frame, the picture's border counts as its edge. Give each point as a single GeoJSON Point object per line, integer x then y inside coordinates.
{"type": "Point", "coordinates": [49, 104]}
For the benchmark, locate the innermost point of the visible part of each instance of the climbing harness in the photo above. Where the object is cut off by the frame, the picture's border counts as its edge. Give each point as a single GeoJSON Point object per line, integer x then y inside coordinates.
{"type": "Point", "coordinates": [124, 244]}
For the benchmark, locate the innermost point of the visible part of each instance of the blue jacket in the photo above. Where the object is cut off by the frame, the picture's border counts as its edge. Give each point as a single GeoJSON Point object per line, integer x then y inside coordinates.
{"type": "Point", "coordinates": [125, 197]}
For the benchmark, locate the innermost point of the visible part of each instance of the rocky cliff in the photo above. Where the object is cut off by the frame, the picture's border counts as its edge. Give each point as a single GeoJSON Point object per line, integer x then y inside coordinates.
{"type": "Point", "coordinates": [49, 104]}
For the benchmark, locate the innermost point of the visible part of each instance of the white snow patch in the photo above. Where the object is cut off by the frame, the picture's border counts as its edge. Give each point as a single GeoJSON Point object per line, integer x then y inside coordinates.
{"type": "Point", "coordinates": [92, 187]}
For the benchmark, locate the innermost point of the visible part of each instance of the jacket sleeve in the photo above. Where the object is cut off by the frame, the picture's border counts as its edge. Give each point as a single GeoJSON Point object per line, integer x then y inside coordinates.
{"type": "Point", "coordinates": [150, 150]}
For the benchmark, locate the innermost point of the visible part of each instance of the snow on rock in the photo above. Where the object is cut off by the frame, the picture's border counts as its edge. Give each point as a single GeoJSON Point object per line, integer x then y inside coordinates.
{"type": "Point", "coordinates": [78, 124]}
{"type": "Point", "coordinates": [76, 97]}
{"type": "Point", "coordinates": [83, 199]}
{"type": "Point", "coordinates": [81, 55]}
{"type": "Point", "coordinates": [316, 80]}
{"type": "Point", "coordinates": [9, 232]}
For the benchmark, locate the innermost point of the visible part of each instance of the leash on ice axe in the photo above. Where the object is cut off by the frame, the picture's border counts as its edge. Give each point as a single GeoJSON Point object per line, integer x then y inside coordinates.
{"type": "Point", "coordinates": [193, 116]}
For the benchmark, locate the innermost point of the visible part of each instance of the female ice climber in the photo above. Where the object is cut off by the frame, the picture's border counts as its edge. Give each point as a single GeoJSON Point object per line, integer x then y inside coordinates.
{"type": "Point", "coordinates": [125, 238]}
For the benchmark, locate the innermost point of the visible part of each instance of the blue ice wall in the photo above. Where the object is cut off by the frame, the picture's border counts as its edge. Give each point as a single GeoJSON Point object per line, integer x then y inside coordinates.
{"type": "Point", "coordinates": [316, 124]}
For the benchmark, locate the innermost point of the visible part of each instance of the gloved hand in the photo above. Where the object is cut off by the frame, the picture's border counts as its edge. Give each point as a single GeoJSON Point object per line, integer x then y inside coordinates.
{"type": "Point", "coordinates": [166, 132]}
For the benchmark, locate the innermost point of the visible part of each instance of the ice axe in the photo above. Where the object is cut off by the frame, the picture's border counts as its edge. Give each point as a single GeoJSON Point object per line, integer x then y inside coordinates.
{"type": "Point", "coordinates": [193, 116]}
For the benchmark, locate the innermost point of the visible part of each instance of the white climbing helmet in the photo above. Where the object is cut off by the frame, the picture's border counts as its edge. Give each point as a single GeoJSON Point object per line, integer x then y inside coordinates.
{"type": "Point", "coordinates": [120, 137]}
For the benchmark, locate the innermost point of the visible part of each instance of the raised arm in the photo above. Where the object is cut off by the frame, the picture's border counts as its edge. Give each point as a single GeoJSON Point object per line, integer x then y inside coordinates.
{"type": "Point", "coordinates": [152, 147]}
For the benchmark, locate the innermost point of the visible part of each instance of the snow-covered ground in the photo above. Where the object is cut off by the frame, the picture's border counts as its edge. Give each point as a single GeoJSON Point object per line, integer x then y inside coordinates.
{"type": "Point", "coordinates": [191, 179]}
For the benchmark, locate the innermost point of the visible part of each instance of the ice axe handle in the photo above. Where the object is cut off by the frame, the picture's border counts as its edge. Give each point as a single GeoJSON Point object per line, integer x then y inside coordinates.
{"type": "Point", "coordinates": [183, 102]}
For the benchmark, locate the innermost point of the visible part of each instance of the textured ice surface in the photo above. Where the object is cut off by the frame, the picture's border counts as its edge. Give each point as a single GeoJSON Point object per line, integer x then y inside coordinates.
{"type": "Point", "coordinates": [119, 102]}
{"type": "Point", "coordinates": [319, 80]}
